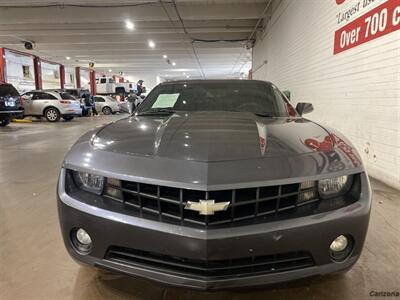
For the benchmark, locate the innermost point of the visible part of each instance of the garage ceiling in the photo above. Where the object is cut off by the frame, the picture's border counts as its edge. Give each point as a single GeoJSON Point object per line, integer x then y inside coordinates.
{"type": "Point", "coordinates": [206, 39]}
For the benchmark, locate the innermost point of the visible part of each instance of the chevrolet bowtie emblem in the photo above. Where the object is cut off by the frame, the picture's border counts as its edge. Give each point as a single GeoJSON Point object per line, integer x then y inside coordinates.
{"type": "Point", "coordinates": [207, 207]}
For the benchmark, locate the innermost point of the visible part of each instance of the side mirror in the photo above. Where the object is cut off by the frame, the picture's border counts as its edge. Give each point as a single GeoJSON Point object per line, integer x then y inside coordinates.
{"type": "Point", "coordinates": [287, 94]}
{"type": "Point", "coordinates": [304, 108]}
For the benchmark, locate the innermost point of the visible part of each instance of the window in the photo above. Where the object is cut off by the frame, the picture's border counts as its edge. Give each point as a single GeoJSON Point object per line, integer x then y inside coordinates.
{"type": "Point", "coordinates": [109, 98]}
{"type": "Point", "coordinates": [224, 95]}
{"type": "Point", "coordinates": [99, 99]}
{"type": "Point", "coordinates": [66, 96]}
{"type": "Point", "coordinates": [7, 90]}
{"type": "Point", "coordinates": [43, 96]}
{"type": "Point", "coordinates": [72, 92]}
{"type": "Point", "coordinates": [26, 72]}
{"type": "Point", "coordinates": [27, 96]}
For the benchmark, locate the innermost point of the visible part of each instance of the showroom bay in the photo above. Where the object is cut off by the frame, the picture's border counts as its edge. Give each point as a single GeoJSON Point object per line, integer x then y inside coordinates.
{"type": "Point", "coordinates": [310, 48]}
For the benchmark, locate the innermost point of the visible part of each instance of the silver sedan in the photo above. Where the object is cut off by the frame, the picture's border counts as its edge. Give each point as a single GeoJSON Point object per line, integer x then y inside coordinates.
{"type": "Point", "coordinates": [106, 104]}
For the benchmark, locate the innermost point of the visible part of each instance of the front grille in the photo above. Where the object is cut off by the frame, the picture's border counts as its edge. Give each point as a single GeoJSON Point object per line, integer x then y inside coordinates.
{"type": "Point", "coordinates": [245, 266]}
{"type": "Point", "coordinates": [167, 204]}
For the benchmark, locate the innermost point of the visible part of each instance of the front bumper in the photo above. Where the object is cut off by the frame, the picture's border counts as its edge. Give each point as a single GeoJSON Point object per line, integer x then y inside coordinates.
{"type": "Point", "coordinates": [7, 114]}
{"type": "Point", "coordinates": [312, 234]}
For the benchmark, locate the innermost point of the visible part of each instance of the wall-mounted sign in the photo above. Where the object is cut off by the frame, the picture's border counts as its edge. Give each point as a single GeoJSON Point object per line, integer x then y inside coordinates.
{"type": "Point", "coordinates": [378, 22]}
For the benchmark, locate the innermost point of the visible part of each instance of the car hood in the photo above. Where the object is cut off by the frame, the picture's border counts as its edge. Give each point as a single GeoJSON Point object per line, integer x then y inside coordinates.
{"type": "Point", "coordinates": [212, 136]}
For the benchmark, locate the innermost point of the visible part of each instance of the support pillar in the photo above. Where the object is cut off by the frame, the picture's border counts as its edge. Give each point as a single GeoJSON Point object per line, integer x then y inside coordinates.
{"type": "Point", "coordinates": [62, 77]}
{"type": "Point", "coordinates": [92, 78]}
{"type": "Point", "coordinates": [2, 65]}
{"type": "Point", "coordinates": [78, 77]}
{"type": "Point", "coordinates": [37, 66]}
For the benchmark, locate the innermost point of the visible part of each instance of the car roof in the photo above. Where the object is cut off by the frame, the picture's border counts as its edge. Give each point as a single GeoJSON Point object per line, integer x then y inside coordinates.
{"type": "Point", "coordinates": [53, 92]}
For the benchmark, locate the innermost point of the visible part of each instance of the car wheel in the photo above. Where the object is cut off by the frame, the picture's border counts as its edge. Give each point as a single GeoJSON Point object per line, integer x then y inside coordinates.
{"type": "Point", "coordinates": [68, 118]}
{"type": "Point", "coordinates": [4, 122]}
{"type": "Point", "coordinates": [107, 110]}
{"type": "Point", "coordinates": [52, 114]}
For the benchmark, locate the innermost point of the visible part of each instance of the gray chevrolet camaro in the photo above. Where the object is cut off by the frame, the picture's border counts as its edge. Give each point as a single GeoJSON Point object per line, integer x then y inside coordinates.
{"type": "Point", "coordinates": [215, 184]}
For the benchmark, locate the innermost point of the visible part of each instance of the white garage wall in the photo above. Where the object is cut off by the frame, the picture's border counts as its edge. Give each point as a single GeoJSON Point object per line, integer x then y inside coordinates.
{"type": "Point", "coordinates": [15, 66]}
{"type": "Point", "coordinates": [50, 76]}
{"type": "Point", "coordinates": [70, 81]}
{"type": "Point", "coordinates": [85, 79]}
{"type": "Point", "coordinates": [356, 92]}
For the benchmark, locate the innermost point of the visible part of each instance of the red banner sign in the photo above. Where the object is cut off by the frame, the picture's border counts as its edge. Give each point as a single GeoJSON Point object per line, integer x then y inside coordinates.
{"type": "Point", "coordinates": [378, 22]}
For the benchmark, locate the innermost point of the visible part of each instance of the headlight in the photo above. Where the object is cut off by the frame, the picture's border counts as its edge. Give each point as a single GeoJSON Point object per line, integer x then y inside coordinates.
{"type": "Point", "coordinates": [336, 186]}
{"type": "Point", "coordinates": [89, 182]}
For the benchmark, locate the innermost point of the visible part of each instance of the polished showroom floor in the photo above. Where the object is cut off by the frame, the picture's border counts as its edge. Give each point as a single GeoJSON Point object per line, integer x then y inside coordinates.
{"type": "Point", "coordinates": [35, 265]}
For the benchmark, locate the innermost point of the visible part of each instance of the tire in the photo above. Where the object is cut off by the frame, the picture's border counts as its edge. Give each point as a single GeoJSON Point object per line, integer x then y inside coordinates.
{"type": "Point", "coordinates": [52, 114]}
{"type": "Point", "coordinates": [107, 110]}
{"type": "Point", "coordinates": [68, 118]}
{"type": "Point", "coordinates": [5, 122]}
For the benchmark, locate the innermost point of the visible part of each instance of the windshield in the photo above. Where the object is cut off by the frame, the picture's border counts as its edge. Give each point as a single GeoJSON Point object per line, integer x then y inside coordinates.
{"type": "Point", "coordinates": [235, 95]}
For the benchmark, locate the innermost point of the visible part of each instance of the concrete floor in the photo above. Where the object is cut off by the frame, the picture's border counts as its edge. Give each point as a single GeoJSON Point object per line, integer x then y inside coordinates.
{"type": "Point", "coordinates": [35, 265]}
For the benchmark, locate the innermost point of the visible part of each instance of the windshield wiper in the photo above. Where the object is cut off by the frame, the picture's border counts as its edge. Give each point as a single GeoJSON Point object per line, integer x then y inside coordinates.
{"type": "Point", "coordinates": [157, 112]}
{"type": "Point", "coordinates": [264, 115]}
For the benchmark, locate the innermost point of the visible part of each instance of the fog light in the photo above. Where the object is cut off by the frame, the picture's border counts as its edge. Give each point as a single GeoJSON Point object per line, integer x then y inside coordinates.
{"type": "Point", "coordinates": [83, 237]}
{"type": "Point", "coordinates": [341, 248]}
{"type": "Point", "coordinates": [81, 241]}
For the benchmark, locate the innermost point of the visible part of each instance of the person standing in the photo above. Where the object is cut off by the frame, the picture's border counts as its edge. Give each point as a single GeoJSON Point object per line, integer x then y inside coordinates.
{"type": "Point", "coordinates": [89, 101]}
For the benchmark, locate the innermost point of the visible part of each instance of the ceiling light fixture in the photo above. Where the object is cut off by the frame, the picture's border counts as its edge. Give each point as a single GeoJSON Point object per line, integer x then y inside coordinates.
{"type": "Point", "coordinates": [67, 58]}
{"type": "Point", "coordinates": [109, 70]}
{"type": "Point", "coordinates": [165, 56]}
{"type": "Point", "coordinates": [129, 25]}
{"type": "Point", "coordinates": [151, 44]}
{"type": "Point", "coordinates": [174, 63]}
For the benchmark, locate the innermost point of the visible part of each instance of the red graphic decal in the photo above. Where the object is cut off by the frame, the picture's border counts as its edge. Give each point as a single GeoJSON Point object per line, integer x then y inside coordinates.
{"type": "Point", "coordinates": [262, 136]}
{"type": "Point", "coordinates": [347, 150]}
{"type": "Point", "coordinates": [339, 2]}
{"type": "Point", "coordinates": [263, 142]}
{"type": "Point", "coordinates": [378, 22]}
{"type": "Point", "coordinates": [325, 146]}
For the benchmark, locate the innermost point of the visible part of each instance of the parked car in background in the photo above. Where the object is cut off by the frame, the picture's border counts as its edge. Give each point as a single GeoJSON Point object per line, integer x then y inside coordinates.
{"type": "Point", "coordinates": [135, 100]}
{"type": "Point", "coordinates": [52, 105]}
{"type": "Point", "coordinates": [79, 94]}
{"type": "Point", "coordinates": [10, 104]}
{"type": "Point", "coordinates": [107, 86]}
{"type": "Point", "coordinates": [106, 104]}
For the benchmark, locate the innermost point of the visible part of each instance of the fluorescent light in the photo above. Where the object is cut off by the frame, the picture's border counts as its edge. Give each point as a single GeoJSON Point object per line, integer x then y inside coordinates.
{"type": "Point", "coordinates": [109, 70]}
{"type": "Point", "coordinates": [174, 63]}
{"type": "Point", "coordinates": [187, 76]}
{"type": "Point", "coordinates": [129, 25]}
{"type": "Point", "coordinates": [68, 58]}
{"type": "Point", "coordinates": [151, 44]}
{"type": "Point", "coordinates": [165, 56]}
